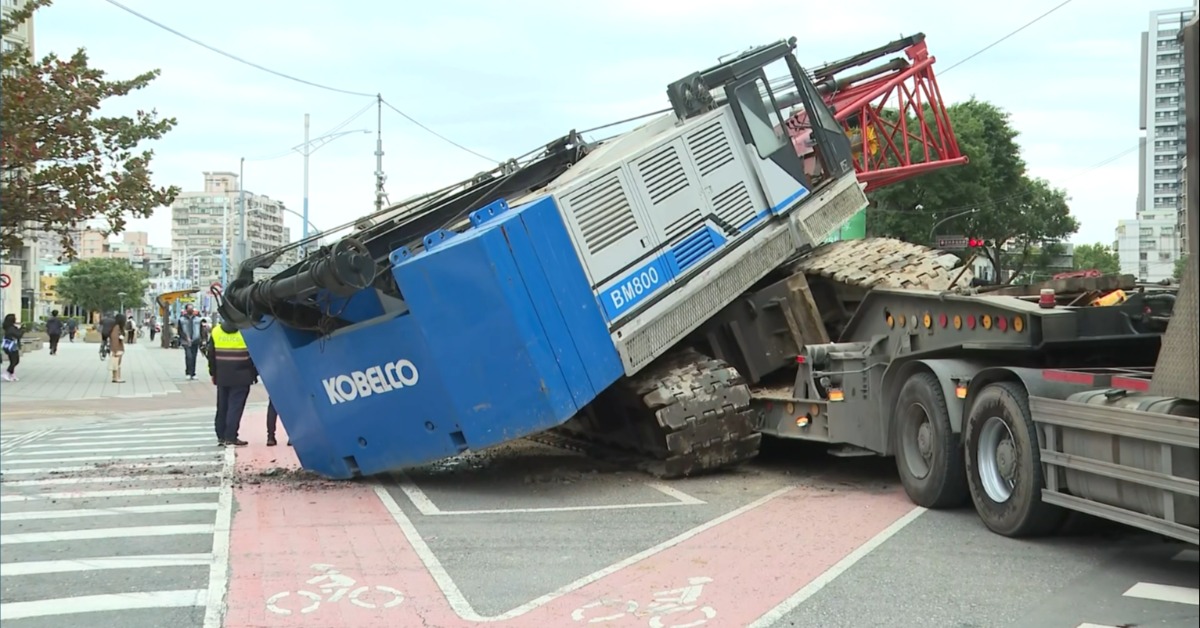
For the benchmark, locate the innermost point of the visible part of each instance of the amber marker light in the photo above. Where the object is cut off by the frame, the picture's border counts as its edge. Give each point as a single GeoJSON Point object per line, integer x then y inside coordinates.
{"type": "Point", "coordinates": [836, 394]}
{"type": "Point", "coordinates": [958, 321]}
{"type": "Point", "coordinates": [927, 320]}
{"type": "Point", "coordinates": [1018, 324]}
{"type": "Point", "coordinates": [986, 321]}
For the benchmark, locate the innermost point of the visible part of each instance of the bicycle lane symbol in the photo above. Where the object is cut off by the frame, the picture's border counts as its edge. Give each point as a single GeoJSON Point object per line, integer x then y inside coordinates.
{"type": "Point", "coordinates": [673, 608]}
{"type": "Point", "coordinates": [335, 587]}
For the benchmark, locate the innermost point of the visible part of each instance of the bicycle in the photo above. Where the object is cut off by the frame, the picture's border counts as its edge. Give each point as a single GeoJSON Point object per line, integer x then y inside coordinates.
{"type": "Point", "coordinates": [335, 587]}
{"type": "Point", "coordinates": [104, 349]}
{"type": "Point", "coordinates": [663, 605]}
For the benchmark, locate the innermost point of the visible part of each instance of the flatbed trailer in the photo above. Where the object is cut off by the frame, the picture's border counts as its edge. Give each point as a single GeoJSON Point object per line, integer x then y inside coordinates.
{"type": "Point", "coordinates": [1026, 406]}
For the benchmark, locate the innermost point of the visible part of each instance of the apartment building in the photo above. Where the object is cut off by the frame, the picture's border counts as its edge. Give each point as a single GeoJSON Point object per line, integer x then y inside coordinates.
{"type": "Point", "coordinates": [205, 225]}
{"type": "Point", "coordinates": [1148, 246]}
{"type": "Point", "coordinates": [1161, 113]}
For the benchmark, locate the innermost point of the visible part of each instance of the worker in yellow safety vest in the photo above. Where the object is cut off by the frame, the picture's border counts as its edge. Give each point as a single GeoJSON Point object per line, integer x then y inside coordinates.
{"type": "Point", "coordinates": [233, 372]}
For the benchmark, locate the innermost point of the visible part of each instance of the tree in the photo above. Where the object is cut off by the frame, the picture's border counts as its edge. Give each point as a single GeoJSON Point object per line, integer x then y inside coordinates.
{"type": "Point", "coordinates": [1180, 265]}
{"type": "Point", "coordinates": [1097, 256]}
{"type": "Point", "coordinates": [62, 163]}
{"type": "Point", "coordinates": [97, 284]}
{"type": "Point", "coordinates": [1012, 211]}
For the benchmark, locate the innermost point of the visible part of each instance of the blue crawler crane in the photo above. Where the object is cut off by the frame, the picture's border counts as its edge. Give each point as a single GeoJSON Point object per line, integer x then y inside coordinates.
{"type": "Point", "coordinates": [559, 293]}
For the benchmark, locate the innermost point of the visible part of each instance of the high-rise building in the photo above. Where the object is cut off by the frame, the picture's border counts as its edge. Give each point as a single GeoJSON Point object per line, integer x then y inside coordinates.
{"type": "Point", "coordinates": [22, 35]}
{"type": "Point", "coordinates": [1161, 110]}
{"type": "Point", "coordinates": [1149, 245]}
{"type": "Point", "coordinates": [205, 228]}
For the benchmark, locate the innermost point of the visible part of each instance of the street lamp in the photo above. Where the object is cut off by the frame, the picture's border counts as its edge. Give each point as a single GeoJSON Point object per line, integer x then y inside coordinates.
{"type": "Point", "coordinates": [948, 219]}
{"type": "Point", "coordinates": [121, 295]}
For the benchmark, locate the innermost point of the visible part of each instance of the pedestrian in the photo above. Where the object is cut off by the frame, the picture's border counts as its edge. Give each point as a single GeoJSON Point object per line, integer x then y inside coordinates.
{"type": "Point", "coordinates": [153, 324]}
{"type": "Point", "coordinates": [54, 329]}
{"type": "Point", "coordinates": [130, 331]}
{"type": "Point", "coordinates": [12, 346]}
{"type": "Point", "coordinates": [189, 339]}
{"type": "Point", "coordinates": [105, 327]}
{"type": "Point", "coordinates": [72, 327]}
{"type": "Point", "coordinates": [272, 422]}
{"type": "Point", "coordinates": [233, 373]}
{"type": "Point", "coordinates": [116, 347]}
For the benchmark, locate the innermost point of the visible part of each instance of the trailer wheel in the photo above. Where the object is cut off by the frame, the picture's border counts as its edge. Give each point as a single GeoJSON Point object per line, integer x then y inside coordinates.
{"type": "Point", "coordinates": [928, 453]}
{"type": "Point", "coordinates": [1004, 463]}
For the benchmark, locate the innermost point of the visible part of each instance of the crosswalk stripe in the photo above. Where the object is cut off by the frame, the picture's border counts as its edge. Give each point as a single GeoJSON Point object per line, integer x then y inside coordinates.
{"type": "Point", "coordinates": [1165, 593]}
{"type": "Point", "coordinates": [78, 443]}
{"type": "Point", "coordinates": [134, 465]}
{"type": "Point", "coordinates": [100, 564]}
{"type": "Point", "coordinates": [104, 533]}
{"type": "Point", "coordinates": [87, 449]}
{"type": "Point", "coordinates": [114, 479]}
{"type": "Point", "coordinates": [36, 515]}
{"type": "Point", "coordinates": [132, 492]}
{"type": "Point", "coordinates": [101, 603]}
{"type": "Point", "coordinates": [10, 460]}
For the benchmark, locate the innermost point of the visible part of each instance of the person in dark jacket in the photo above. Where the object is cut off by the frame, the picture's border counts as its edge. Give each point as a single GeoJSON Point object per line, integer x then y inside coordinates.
{"type": "Point", "coordinates": [233, 373]}
{"type": "Point", "coordinates": [54, 329]}
{"type": "Point", "coordinates": [72, 327]}
{"type": "Point", "coordinates": [12, 346]}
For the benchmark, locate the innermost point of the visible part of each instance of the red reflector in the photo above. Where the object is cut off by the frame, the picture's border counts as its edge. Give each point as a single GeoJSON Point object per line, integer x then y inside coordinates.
{"type": "Point", "coordinates": [800, 359]}
{"type": "Point", "coordinates": [943, 320]}
{"type": "Point", "coordinates": [1002, 323]}
{"type": "Point", "coordinates": [971, 321]}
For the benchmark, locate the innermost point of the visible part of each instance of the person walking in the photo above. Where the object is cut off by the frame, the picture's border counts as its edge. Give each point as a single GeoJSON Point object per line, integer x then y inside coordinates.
{"type": "Point", "coordinates": [54, 329]}
{"type": "Point", "coordinates": [72, 327]}
{"type": "Point", "coordinates": [116, 347]}
{"type": "Point", "coordinates": [12, 346]}
{"type": "Point", "coordinates": [189, 339]}
{"type": "Point", "coordinates": [233, 373]}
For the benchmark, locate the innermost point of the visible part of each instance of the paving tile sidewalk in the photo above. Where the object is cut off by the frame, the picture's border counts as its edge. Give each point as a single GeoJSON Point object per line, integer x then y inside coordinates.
{"type": "Point", "coordinates": [77, 383]}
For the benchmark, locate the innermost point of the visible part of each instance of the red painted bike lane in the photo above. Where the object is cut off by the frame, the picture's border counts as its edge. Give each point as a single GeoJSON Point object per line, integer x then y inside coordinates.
{"type": "Point", "coordinates": [347, 555]}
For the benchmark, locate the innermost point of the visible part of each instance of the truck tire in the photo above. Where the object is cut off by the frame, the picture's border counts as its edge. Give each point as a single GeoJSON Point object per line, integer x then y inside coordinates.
{"type": "Point", "coordinates": [929, 456]}
{"type": "Point", "coordinates": [1004, 463]}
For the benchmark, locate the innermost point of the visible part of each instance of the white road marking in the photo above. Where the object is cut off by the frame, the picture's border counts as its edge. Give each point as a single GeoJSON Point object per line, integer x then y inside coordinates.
{"type": "Point", "coordinates": [133, 492]}
{"type": "Point", "coordinates": [100, 564]}
{"type": "Point", "coordinates": [77, 443]}
{"type": "Point", "coordinates": [128, 432]}
{"type": "Point", "coordinates": [101, 479]}
{"type": "Point", "coordinates": [218, 573]}
{"type": "Point", "coordinates": [104, 533]}
{"type": "Point", "coordinates": [1087, 625]}
{"type": "Point", "coordinates": [134, 465]}
{"type": "Point", "coordinates": [1187, 556]}
{"type": "Point", "coordinates": [87, 449]}
{"type": "Point", "coordinates": [798, 598]}
{"type": "Point", "coordinates": [427, 508]}
{"type": "Point", "coordinates": [188, 454]}
{"type": "Point", "coordinates": [1165, 593]}
{"type": "Point", "coordinates": [463, 608]}
{"type": "Point", "coordinates": [100, 603]}
{"type": "Point", "coordinates": [106, 512]}
{"type": "Point", "coordinates": [671, 491]}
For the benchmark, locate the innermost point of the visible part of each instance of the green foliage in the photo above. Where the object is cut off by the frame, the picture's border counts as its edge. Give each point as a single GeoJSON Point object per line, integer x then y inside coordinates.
{"type": "Point", "coordinates": [1010, 208]}
{"type": "Point", "coordinates": [62, 163]}
{"type": "Point", "coordinates": [1097, 256]}
{"type": "Point", "coordinates": [96, 284]}
{"type": "Point", "coordinates": [1180, 264]}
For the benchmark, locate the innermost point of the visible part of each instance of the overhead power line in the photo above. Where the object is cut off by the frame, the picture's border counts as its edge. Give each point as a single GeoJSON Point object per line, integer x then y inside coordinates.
{"type": "Point", "coordinates": [290, 77]}
{"type": "Point", "coordinates": [436, 134]}
{"type": "Point", "coordinates": [998, 41]}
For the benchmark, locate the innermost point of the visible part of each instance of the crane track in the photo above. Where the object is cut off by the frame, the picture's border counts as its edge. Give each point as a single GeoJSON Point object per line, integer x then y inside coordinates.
{"type": "Point", "coordinates": [685, 414]}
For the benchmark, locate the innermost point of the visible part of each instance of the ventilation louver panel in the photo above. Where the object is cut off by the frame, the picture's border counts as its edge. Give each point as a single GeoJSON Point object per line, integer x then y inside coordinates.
{"type": "Point", "coordinates": [734, 206]}
{"type": "Point", "coordinates": [663, 174]}
{"type": "Point", "coordinates": [603, 214]}
{"type": "Point", "coordinates": [710, 148]}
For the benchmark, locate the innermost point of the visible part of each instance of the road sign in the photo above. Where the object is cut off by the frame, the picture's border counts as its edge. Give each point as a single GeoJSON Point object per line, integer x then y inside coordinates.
{"type": "Point", "coordinates": [952, 242]}
{"type": "Point", "coordinates": [5, 280]}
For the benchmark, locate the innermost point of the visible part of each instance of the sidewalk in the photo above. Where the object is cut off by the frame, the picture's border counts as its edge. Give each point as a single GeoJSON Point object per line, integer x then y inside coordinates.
{"type": "Point", "coordinates": [74, 381]}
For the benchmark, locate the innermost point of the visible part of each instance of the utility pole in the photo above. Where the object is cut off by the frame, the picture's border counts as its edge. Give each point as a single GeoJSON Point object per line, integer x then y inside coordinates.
{"type": "Point", "coordinates": [224, 241]}
{"type": "Point", "coordinates": [379, 177]}
{"type": "Point", "coordinates": [242, 250]}
{"type": "Point", "coordinates": [307, 152]}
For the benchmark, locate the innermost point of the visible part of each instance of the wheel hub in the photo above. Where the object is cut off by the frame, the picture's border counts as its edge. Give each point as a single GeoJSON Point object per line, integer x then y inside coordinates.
{"type": "Point", "coordinates": [925, 441]}
{"type": "Point", "coordinates": [1006, 459]}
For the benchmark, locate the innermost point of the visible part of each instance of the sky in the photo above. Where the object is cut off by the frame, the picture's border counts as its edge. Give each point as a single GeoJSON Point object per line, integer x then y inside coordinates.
{"type": "Point", "coordinates": [504, 77]}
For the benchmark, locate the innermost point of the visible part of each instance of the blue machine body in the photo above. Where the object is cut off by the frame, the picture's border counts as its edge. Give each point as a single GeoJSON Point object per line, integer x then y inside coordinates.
{"type": "Point", "coordinates": [501, 338]}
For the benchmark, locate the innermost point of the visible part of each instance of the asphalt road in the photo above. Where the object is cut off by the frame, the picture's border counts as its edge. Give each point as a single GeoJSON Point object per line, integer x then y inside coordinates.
{"type": "Point", "coordinates": [528, 535]}
{"type": "Point", "coordinates": [109, 525]}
